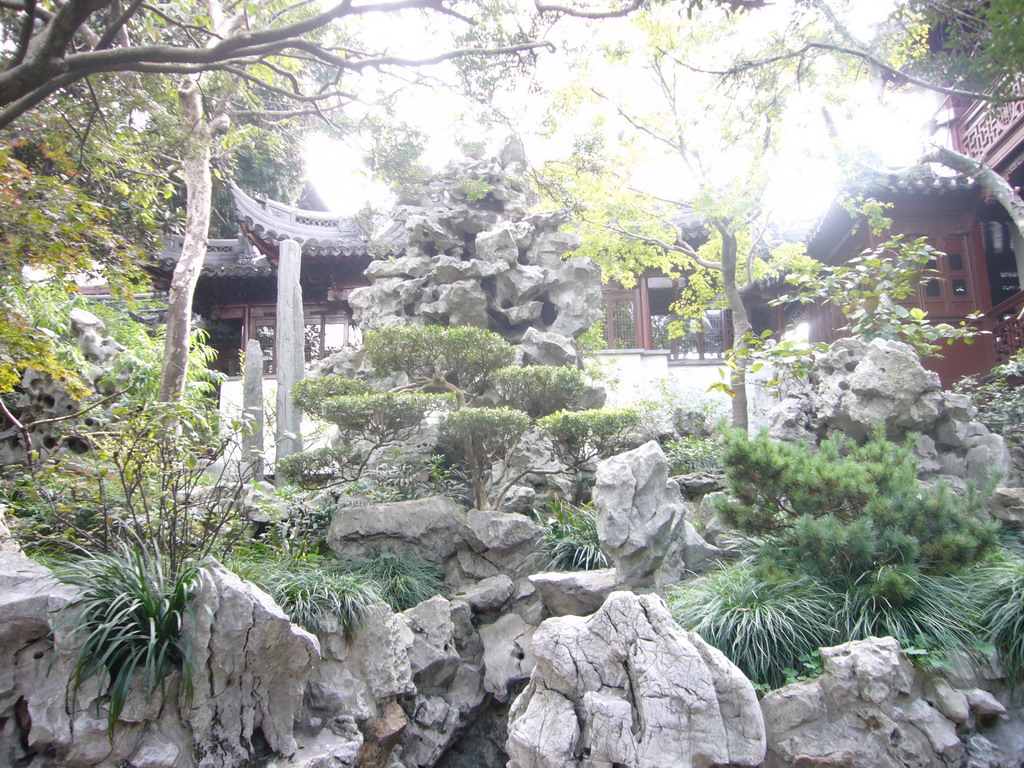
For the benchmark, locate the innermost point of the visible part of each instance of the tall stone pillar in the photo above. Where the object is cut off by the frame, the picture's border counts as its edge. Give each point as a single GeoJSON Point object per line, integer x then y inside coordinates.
{"type": "Point", "coordinates": [290, 349]}
{"type": "Point", "coordinates": [252, 408]}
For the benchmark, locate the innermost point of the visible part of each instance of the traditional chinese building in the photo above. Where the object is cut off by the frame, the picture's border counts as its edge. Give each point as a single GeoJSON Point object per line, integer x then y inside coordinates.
{"type": "Point", "coordinates": [983, 253]}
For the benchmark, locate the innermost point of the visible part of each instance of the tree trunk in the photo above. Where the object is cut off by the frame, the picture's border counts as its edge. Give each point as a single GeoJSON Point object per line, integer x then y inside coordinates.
{"type": "Point", "coordinates": [740, 327]}
{"type": "Point", "coordinates": [199, 192]}
{"type": "Point", "coordinates": [987, 179]}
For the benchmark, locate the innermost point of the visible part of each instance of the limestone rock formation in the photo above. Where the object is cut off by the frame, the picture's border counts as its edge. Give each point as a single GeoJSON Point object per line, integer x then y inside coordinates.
{"type": "Point", "coordinates": [628, 687]}
{"type": "Point", "coordinates": [856, 386]}
{"type": "Point", "coordinates": [251, 667]}
{"type": "Point", "coordinates": [641, 520]}
{"type": "Point", "coordinates": [577, 593]}
{"type": "Point", "coordinates": [870, 708]}
{"type": "Point", "coordinates": [475, 256]}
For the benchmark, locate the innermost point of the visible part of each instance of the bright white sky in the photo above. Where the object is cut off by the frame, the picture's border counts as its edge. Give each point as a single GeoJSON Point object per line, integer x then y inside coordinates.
{"type": "Point", "coordinates": [894, 131]}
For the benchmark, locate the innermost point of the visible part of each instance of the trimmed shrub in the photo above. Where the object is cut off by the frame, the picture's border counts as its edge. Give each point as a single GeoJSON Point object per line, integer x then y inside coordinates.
{"type": "Point", "coordinates": [479, 437]}
{"type": "Point", "coordinates": [465, 358]}
{"type": "Point", "coordinates": [540, 390]}
{"type": "Point", "coordinates": [310, 394]}
{"type": "Point", "coordinates": [582, 437]}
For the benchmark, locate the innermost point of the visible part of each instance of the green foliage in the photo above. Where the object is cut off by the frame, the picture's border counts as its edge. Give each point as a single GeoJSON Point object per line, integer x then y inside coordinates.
{"type": "Point", "coordinates": [928, 613]}
{"type": "Point", "coordinates": [849, 510]}
{"type": "Point", "coordinates": [402, 581]}
{"type": "Point", "coordinates": [999, 398]}
{"type": "Point", "coordinates": [435, 356]}
{"type": "Point", "coordinates": [694, 454]}
{"type": "Point", "coordinates": [766, 626]}
{"type": "Point", "coordinates": [310, 394]}
{"type": "Point", "coordinates": [408, 477]}
{"type": "Point", "coordinates": [139, 481]}
{"type": "Point", "coordinates": [56, 233]}
{"type": "Point", "coordinates": [582, 437]}
{"type": "Point", "coordinates": [475, 189]}
{"type": "Point", "coordinates": [1000, 587]}
{"type": "Point", "coordinates": [570, 538]}
{"type": "Point", "coordinates": [129, 612]}
{"type": "Point", "coordinates": [479, 437]}
{"type": "Point", "coordinates": [872, 290]}
{"type": "Point", "coordinates": [540, 390]}
{"type": "Point", "coordinates": [311, 590]}
{"type": "Point", "coordinates": [369, 422]}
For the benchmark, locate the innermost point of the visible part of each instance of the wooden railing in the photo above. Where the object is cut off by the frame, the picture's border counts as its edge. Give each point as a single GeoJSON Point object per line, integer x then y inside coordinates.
{"type": "Point", "coordinates": [1006, 321]}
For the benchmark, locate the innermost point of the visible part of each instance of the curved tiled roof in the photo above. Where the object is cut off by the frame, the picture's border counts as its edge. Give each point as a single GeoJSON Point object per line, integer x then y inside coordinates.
{"type": "Point", "coordinates": [318, 232]}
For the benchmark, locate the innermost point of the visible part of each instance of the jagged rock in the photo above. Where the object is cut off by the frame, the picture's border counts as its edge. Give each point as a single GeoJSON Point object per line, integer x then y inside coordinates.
{"type": "Point", "coordinates": [870, 707]}
{"type": "Point", "coordinates": [628, 687]}
{"type": "Point", "coordinates": [89, 329]}
{"type": "Point", "coordinates": [696, 485]}
{"type": "Point", "coordinates": [856, 386]}
{"type": "Point", "coordinates": [486, 263]}
{"type": "Point", "coordinates": [541, 348]}
{"type": "Point", "coordinates": [508, 654]}
{"type": "Point", "coordinates": [251, 668]}
{"type": "Point", "coordinates": [641, 519]}
{"type": "Point", "coordinates": [433, 656]}
{"type": "Point", "coordinates": [498, 543]}
{"type": "Point", "coordinates": [488, 595]}
{"type": "Point", "coordinates": [430, 528]}
{"type": "Point", "coordinates": [577, 593]}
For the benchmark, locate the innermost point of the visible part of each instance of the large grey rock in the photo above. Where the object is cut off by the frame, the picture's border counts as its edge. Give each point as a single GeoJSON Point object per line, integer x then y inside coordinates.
{"type": "Point", "coordinates": [487, 263]}
{"type": "Point", "coordinates": [487, 595]}
{"type": "Point", "coordinates": [641, 519]}
{"type": "Point", "coordinates": [870, 707]}
{"type": "Point", "coordinates": [430, 528]}
{"type": "Point", "coordinates": [577, 593]}
{"type": "Point", "coordinates": [508, 654]}
{"type": "Point", "coordinates": [251, 666]}
{"type": "Point", "coordinates": [855, 387]}
{"type": "Point", "coordinates": [498, 543]}
{"type": "Point", "coordinates": [433, 656]}
{"type": "Point", "coordinates": [628, 687]}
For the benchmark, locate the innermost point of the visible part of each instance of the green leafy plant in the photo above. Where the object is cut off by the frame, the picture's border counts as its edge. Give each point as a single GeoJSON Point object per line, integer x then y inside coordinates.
{"type": "Point", "coordinates": [310, 589]}
{"type": "Point", "coordinates": [582, 437]}
{"type": "Point", "coordinates": [694, 454]}
{"type": "Point", "coordinates": [130, 612]}
{"type": "Point", "coordinates": [848, 510]}
{"type": "Point", "coordinates": [540, 390]}
{"type": "Point", "coordinates": [765, 624]}
{"type": "Point", "coordinates": [402, 581]}
{"type": "Point", "coordinates": [368, 422]}
{"type": "Point", "coordinates": [1000, 589]}
{"type": "Point", "coordinates": [999, 398]}
{"type": "Point", "coordinates": [435, 358]}
{"type": "Point", "coordinates": [478, 438]}
{"type": "Point", "coordinates": [873, 289]}
{"type": "Point", "coordinates": [570, 538]}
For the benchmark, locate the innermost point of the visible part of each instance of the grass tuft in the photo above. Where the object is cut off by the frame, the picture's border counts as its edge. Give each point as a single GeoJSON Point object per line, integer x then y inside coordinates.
{"type": "Point", "coordinates": [401, 581]}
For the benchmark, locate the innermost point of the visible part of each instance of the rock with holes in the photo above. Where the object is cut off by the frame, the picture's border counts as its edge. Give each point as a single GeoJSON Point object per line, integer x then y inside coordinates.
{"type": "Point", "coordinates": [626, 686]}
{"type": "Point", "coordinates": [475, 256]}
{"type": "Point", "coordinates": [857, 387]}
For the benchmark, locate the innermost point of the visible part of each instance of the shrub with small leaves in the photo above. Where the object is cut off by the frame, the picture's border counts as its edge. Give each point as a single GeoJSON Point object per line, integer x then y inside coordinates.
{"type": "Point", "coordinates": [540, 390]}
{"type": "Point", "coordinates": [1000, 398]}
{"type": "Point", "coordinates": [694, 454]}
{"type": "Point", "coordinates": [582, 437]}
{"type": "Point", "coordinates": [479, 437]}
{"type": "Point", "coordinates": [434, 356]}
{"type": "Point", "coordinates": [310, 395]}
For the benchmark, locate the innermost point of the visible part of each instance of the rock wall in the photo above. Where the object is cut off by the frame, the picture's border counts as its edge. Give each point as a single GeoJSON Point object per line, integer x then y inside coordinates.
{"type": "Point", "coordinates": [487, 263]}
